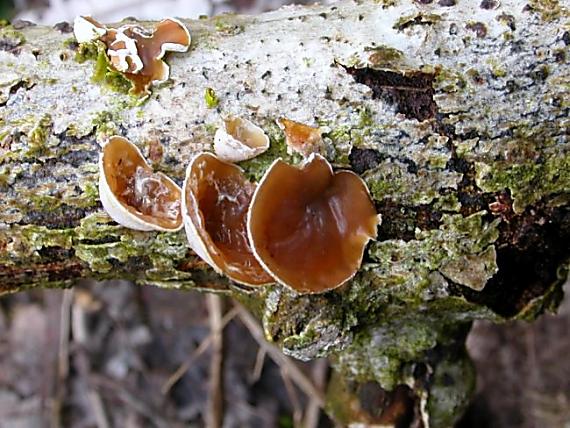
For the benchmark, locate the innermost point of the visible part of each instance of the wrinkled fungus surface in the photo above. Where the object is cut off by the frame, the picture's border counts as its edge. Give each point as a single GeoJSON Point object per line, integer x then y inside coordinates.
{"type": "Point", "coordinates": [309, 226]}
{"type": "Point", "coordinates": [151, 197]}
{"type": "Point", "coordinates": [217, 196]}
{"type": "Point", "coordinates": [136, 52]}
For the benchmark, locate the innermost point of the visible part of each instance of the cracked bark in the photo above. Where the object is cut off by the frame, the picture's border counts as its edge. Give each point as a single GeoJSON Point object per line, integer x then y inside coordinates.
{"type": "Point", "coordinates": [459, 127]}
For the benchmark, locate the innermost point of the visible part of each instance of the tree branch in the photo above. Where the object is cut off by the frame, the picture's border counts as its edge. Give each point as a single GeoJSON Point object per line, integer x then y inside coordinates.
{"type": "Point", "coordinates": [456, 117]}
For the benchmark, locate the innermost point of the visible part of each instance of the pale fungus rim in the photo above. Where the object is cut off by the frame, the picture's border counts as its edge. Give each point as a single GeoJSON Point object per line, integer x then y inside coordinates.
{"type": "Point", "coordinates": [231, 149]}
{"type": "Point", "coordinates": [86, 31]}
{"type": "Point", "coordinates": [115, 208]}
{"type": "Point", "coordinates": [254, 200]}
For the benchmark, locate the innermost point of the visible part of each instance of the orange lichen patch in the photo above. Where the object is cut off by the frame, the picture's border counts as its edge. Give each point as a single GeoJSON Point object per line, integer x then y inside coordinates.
{"type": "Point", "coordinates": [132, 194]}
{"type": "Point", "coordinates": [301, 138]}
{"type": "Point", "coordinates": [216, 199]}
{"type": "Point", "coordinates": [309, 226]}
{"type": "Point", "coordinates": [136, 52]}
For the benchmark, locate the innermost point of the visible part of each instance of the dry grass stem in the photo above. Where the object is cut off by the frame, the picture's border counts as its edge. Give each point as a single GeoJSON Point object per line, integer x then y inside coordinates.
{"type": "Point", "coordinates": [215, 396]}
{"type": "Point", "coordinates": [293, 371]}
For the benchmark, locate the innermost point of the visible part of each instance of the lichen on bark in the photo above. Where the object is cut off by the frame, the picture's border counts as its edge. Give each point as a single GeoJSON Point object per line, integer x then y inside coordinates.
{"type": "Point", "coordinates": [458, 125]}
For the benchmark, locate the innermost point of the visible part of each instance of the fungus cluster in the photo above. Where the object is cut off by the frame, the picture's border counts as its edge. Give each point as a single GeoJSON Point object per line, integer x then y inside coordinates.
{"type": "Point", "coordinates": [135, 52]}
{"type": "Point", "coordinates": [305, 227]}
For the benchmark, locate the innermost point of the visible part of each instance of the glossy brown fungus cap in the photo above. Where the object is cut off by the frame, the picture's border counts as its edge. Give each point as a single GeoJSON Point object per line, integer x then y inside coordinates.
{"type": "Point", "coordinates": [132, 194]}
{"type": "Point", "coordinates": [309, 226]}
{"type": "Point", "coordinates": [216, 199]}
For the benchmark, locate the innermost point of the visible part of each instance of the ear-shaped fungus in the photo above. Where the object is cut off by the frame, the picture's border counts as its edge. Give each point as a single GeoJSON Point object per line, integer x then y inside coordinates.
{"type": "Point", "coordinates": [301, 138]}
{"type": "Point", "coordinates": [239, 140]}
{"type": "Point", "coordinates": [136, 52]}
{"type": "Point", "coordinates": [216, 196]}
{"type": "Point", "coordinates": [132, 194]}
{"type": "Point", "coordinates": [308, 226]}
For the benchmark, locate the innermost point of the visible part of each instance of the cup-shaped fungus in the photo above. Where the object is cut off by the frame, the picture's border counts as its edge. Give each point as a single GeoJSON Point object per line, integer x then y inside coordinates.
{"type": "Point", "coordinates": [216, 197]}
{"type": "Point", "coordinates": [301, 138]}
{"type": "Point", "coordinates": [132, 194]}
{"type": "Point", "coordinates": [308, 226]}
{"type": "Point", "coordinates": [239, 140]}
{"type": "Point", "coordinates": [136, 52]}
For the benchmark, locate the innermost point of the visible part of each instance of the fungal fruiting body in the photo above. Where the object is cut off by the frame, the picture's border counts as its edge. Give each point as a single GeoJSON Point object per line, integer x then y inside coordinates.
{"type": "Point", "coordinates": [216, 197]}
{"type": "Point", "coordinates": [301, 138]}
{"type": "Point", "coordinates": [136, 52]}
{"type": "Point", "coordinates": [132, 194]}
{"type": "Point", "coordinates": [239, 140]}
{"type": "Point", "coordinates": [308, 226]}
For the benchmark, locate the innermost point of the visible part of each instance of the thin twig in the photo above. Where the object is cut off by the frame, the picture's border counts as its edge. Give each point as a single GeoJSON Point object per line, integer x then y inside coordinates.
{"type": "Point", "coordinates": [294, 372]}
{"type": "Point", "coordinates": [62, 357]}
{"type": "Point", "coordinates": [258, 367]}
{"type": "Point", "coordinates": [293, 398]}
{"type": "Point", "coordinates": [98, 408]}
{"type": "Point", "coordinates": [183, 368]}
{"type": "Point", "coordinates": [81, 336]}
{"type": "Point", "coordinates": [131, 400]}
{"type": "Point", "coordinates": [215, 398]}
{"type": "Point", "coordinates": [313, 411]}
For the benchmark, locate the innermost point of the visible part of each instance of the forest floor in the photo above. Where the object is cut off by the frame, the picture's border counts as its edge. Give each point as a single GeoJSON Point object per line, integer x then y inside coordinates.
{"type": "Point", "coordinates": [118, 355]}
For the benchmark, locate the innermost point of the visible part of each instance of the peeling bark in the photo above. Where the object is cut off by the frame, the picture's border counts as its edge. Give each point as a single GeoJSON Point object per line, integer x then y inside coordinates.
{"type": "Point", "coordinates": [459, 127]}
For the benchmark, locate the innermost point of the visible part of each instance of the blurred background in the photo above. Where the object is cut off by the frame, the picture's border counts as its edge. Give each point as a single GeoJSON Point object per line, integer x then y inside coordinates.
{"type": "Point", "coordinates": [118, 355]}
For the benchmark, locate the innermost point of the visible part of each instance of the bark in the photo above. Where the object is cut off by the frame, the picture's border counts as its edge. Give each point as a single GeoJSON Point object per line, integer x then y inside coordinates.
{"type": "Point", "coordinates": [456, 117]}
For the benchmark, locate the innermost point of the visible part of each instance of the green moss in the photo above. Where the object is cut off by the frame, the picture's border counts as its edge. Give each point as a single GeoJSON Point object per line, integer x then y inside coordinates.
{"type": "Point", "coordinates": [228, 24]}
{"type": "Point", "coordinates": [453, 385]}
{"type": "Point", "coordinates": [32, 238]}
{"type": "Point", "coordinates": [448, 202]}
{"type": "Point", "coordinates": [104, 123]}
{"type": "Point", "coordinates": [256, 167]}
{"type": "Point", "coordinates": [87, 51]}
{"type": "Point", "coordinates": [91, 192]}
{"type": "Point", "coordinates": [98, 243]}
{"type": "Point", "coordinates": [416, 19]}
{"type": "Point", "coordinates": [211, 98]}
{"type": "Point", "coordinates": [497, 70]}
{"type": "Point", "coordinates": [392, 180]}
{"type": "Point", "coordinates": [11, 38]}
{"type": "Point", "coordinates": [528, 182]}
{"type": "Point", "coordinates": [408, 270]}
{"type": "Point", "coordinates": [44, 203]}
{"type": "Point", "coordinates": [447, 80]}
{"type": "Point", "coordinates": [38, 136]}
{"type": "Point", "coordinates": [384, 56]}
{"type": "Point", "coordinates": [549, 10]}
{"type": "Point", "coordinates": [103, 73]}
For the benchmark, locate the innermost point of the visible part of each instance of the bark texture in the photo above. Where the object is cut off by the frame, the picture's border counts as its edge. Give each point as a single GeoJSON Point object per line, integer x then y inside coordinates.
{"type": "Point", "coordinates": [455, 115]}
